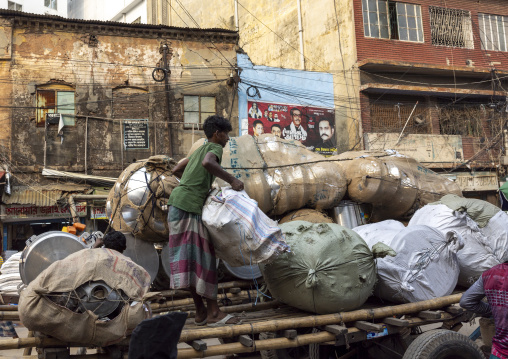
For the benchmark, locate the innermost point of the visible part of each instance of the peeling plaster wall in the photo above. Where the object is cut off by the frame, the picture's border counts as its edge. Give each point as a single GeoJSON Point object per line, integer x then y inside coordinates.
{"type": "Point", "coordinates": [269, 35]}
{"type": "Point", "coordinates": [45, 54]}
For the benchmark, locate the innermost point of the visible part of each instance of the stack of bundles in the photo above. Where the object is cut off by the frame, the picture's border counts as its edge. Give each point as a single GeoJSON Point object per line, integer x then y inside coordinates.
{"type": "Point", "coordinates": [137, 201]}
{"type": "Point", "coordinates": [482, 226]}
{"type": "Point", "coordinates": [283, 175]}
{"type": "Point", "coordinates": [425, 265]}
{"type": "Point", "coordinates": [330, 268]}
{"type": "Point", "coordinates": [9, 275]}
{"type": "Point", "coordinates": [93, 297]}
{"type": "Point", "coordinates": [241, 233]}
{"type": "Point", "coordinates": [394, 184]}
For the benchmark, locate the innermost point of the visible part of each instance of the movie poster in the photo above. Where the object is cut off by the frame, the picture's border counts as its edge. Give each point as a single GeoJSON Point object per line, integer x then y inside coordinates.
{"type": "Point", "coordinates": [314, 127]}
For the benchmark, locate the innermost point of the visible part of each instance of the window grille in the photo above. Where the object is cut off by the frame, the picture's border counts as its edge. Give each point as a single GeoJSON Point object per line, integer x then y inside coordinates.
{"type": "Point", "coordinates": [493, 32]}
{"type": "Point", "coordinates": [392, 20]}
{"type": "Point", "coordinates": [197, 109]}
{"type": "Point", "coordinates": [392, 117]}
{"type": "Point", "coordinates": [464, 121]}
{"type": "Point", "coordinates": [451, 27]}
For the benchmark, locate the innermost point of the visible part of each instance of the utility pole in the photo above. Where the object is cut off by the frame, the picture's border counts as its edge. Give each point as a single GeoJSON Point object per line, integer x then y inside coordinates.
{"type": "Point", "coordinates": [167, 53]}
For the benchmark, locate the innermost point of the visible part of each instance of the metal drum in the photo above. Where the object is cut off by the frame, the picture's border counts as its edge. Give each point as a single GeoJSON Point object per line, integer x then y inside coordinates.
{"type": "Point", "coordinates": [142, 253]}
{"type": "Point", "coordinates": [43, 250]}
{"type": "Point", "coordinates": [348, 214]}
{"type": "Point", "coordinates": [244, 272]}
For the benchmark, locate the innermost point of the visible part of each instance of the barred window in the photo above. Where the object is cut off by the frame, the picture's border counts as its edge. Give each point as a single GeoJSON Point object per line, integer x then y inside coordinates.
{"type": "Point", "coordinates": [461, 120]}
{"type": "Point", "coordinates": [493, 31]}
{"type": "Point", "coordinates": [391, 117]}
{"type": "Point", "coordinates": [451, 27]}
{"type": "Point", "coordinates": [392, 20]}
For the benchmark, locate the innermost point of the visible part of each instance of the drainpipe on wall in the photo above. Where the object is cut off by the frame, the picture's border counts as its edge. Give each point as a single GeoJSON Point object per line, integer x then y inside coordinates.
{"type": "Point", "coordinates": [300, 33]}
{"type": "Point", "coordinates": [237, 22]}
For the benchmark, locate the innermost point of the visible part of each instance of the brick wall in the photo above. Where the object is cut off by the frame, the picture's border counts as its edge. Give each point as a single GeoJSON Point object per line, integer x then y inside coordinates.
{"type": "Point", "coordinates": [427, 53]}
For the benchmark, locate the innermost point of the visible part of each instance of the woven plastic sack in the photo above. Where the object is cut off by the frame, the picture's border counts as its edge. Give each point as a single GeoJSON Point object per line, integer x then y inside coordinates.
{"type": "Point", "coordinates": [483, 248]}
{"type": "Point", "coordinates": [330, 268]}
{"type": "Point", "coordinates": [137, 201]}
{"type": "Point", "coordinates": [395, 185]}
{"type": "Point", "coordinates": [425, 266]}
{"type": "Point", "coordinates": [241, 233]}
{"type": "Point", "coordinates": [10, 278]}
{"type": "Point", "coordinates": [38, 313]}
{"type": "Point", "coordinates": [282, 175]}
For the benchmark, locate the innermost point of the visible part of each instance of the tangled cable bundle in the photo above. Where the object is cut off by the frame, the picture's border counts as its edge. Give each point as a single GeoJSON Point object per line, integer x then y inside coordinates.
{"type": "Point", "coordinates": [137, 201]}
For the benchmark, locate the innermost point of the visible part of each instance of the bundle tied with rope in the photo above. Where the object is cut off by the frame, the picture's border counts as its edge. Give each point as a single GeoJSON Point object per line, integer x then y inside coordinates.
{"type": "Point", "coordinates": [396, 185]}
{"type": "Point", "coordinates": [137, 201]}
{"type": "Point", "coordinates": [53, 304]}
{"type": "Point", "coordinates": [330, 268]}
{"type": "Point", "coordinates": [425, 265]}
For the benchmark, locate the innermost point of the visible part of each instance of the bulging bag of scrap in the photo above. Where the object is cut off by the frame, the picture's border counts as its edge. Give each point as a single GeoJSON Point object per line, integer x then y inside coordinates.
{"type": "Point", "coordinates": [241, 233]}
{"type": "Point", "coordinates": [330, 268]}
{"type": "Point", "coordinates": [66, 300]}
{"type": "Point", "coordinates": [283, 175]}
{"type": "Point", "coordinates": [424, 267]}
{"type": "Point", "coordinates": [483, 247]}
{"type": "Point", "coordinates": [137, 201]}
{"type": "Point", "coordinates": [395, 185]}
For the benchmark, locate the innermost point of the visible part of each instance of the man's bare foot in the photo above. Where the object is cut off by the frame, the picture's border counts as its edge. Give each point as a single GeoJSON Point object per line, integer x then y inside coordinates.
{"type": "Point", "coordinates": [201, 316]}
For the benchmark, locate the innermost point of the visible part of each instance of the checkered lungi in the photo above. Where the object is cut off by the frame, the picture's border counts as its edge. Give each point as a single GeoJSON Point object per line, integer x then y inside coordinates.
{"type": "Point", "coordinates": [192, 256]}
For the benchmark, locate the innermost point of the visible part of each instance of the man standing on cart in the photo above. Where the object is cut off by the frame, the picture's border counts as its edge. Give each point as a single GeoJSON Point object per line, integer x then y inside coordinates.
{"type": "Point", "coordinates": [192, 255]}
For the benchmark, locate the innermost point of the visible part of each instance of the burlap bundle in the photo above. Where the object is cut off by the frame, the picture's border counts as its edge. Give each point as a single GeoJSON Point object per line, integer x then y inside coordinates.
{"type": "Point", "coordinates": [282, 175]}
{"type": "Point", "coordinates": [395, 185]}
{"type": "Point", "coordinates": [307, 215]}
{"type": "Point", "coordinates": [38, 313]}
{"type": "Point", "coordinates": [137, 200]}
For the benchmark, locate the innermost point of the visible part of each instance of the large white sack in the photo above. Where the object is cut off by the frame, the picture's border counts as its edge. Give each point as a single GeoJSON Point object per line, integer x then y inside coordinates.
{"type": "Point", "coordinates": [240, 232]}
{"type": "Point", "coordinates": [478, 253]}
{"type": "Point", "coordinates": [425, 266]}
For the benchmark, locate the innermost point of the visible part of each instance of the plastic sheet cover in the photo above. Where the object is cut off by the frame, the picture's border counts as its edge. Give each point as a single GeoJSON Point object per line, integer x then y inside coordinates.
{"type": "Point", "coordinates": [330, 268]}
{"type": "Point", "coordinates": [424, 267]}
{"type": "Point", "coordinates": [483, 247]}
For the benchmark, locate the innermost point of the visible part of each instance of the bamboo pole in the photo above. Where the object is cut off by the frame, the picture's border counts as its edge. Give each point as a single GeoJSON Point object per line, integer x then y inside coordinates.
{"type": "Point", "coordinates": [28, 351]}
{"type": "Point", "coordinates": [8, 308]}
{"type": "Point", "coordinates": [188, 301]}
{"type": "Point", "coordinates": [318, 320]}
{"type": "Point", "coordinates": [9, 316]}
{"type": "Point", "coordinates": [267, 344]}
{"type": "Point", "coordinates": [225, 285]}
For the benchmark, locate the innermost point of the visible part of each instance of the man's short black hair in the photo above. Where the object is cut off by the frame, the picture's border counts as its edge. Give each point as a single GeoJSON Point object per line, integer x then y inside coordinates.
{"type": "Point", "coordinates": [115, 240]}
{"type": "Point", "coordinates": [276, 126]}
{"type": "Point", "coordinates": [216, 123]}
{"type": "Point", "coordinates": [294, 109]}
{"type": "Point", "coordinates": [255, 123]}
{"type": "Point", "coordinates": [332, 125]}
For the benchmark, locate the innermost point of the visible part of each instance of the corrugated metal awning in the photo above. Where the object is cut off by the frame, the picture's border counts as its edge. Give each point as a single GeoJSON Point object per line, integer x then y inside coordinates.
{"type": "Point", "coordinates": [42, 195]}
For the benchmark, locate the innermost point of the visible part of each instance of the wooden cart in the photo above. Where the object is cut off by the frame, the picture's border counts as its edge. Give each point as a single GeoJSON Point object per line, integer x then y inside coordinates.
{"type": "Point", "coordinates": [276, 330]}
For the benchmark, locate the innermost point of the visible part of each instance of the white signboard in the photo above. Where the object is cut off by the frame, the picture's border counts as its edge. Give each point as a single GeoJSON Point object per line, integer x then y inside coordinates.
{"type": "Point", "coordinates": [431, 150]}
{"type": "Point", "coordinates": [477, 181]}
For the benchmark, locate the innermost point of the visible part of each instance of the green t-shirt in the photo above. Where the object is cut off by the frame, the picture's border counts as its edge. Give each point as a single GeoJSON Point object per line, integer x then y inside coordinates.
{"type": "Point", "coordinates": [196, 181]}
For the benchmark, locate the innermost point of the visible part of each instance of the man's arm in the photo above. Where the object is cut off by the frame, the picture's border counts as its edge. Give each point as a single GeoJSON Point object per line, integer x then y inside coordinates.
{"type": "Point", "coordinates": [180, 167]}
{"type": "Point", "coordinates": [472, 299]}
{"type": "Point", "coordinates": [211, 164]}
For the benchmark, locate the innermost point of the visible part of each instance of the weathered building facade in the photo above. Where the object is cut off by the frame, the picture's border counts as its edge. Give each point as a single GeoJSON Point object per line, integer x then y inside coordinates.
{"type": "Point", "coordinates": [425, 77]}
{"type": "Point", "coordinates": [81, 97]}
